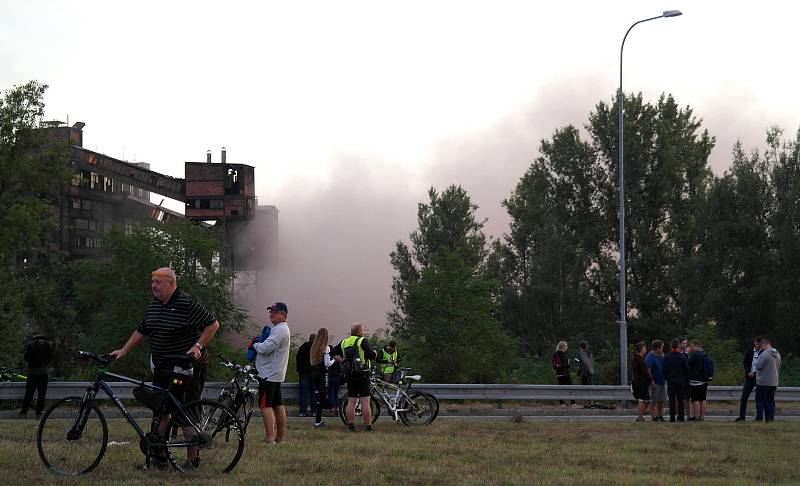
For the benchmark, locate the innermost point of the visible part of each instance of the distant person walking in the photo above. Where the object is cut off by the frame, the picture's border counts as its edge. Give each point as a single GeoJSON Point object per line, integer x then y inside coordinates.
{"type": "Point", "coordinates": [654, 360]}
{"type": "Point", "coordinates": [272, 359]}
{"type": "Point", "coordinates": [767, 370]}
{"type": "Point", "coordinates": [303, 367]}
{"type": "Point", "coordinates": [676, 374]}
{"type": "Point", "coordinates": [699, 376]}
{"type": "Point", "coordinates": [560, 363]}
{"type": "Point", "coordinates": [39, 356]}
{"type": "Point", "coordinates": [640, 380]}
{"type": "Point", "coordinates": [749, 365]}
{"type": "Point", "coordinates": [585, 366]}
{"type": "Point", "coordinates": [320, 362]}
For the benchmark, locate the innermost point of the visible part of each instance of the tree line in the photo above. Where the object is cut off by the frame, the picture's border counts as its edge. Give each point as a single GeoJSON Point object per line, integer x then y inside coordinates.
{"type": "Point", "coordinates": [714, 257]}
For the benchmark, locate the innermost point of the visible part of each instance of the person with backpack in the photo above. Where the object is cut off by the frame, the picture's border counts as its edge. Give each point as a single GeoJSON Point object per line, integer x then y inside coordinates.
{"type": "Point", "coordinates": [319, 360]}
{"type": "Point", "coordinates": [701, 372]}
{"type": "Point", "coordinates": [355, 354]}
{"type": "Point", "coordinates": [39, 356]}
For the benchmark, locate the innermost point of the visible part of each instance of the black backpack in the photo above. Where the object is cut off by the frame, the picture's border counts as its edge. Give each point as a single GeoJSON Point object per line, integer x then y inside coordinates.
{"type": "Point", "coordinates": [352, 364]}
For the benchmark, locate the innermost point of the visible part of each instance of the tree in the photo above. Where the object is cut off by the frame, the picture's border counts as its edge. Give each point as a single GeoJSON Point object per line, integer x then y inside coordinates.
{"type": "Point", "coordinates": [112, 294]}
{"type": "Point", "coordinates": [783, 157]}
{"type": "Point", "coordinates": [734, 264]}
{"type": "Point", "coordinates": [444, 302]}
{"type": "Point", "coordinates": [554, 244]}
{"type": "Point", "coordinates": [32, 172]}
{"type": "Point", "coordinates": [666, 181]}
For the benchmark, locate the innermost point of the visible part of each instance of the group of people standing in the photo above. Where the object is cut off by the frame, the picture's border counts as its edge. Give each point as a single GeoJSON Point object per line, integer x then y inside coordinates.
{"type": "Point", "coordinates": [682, 376]}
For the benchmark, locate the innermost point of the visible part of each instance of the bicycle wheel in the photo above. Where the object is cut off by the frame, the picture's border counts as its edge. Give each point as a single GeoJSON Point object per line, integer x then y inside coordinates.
{"type": "Point", "coordinates": [245, 411]}
{"type": "Point", "coordinates": [434, 403]}
{"type": "Point", "coordinates": [72, 437]}
{"type": "Point", "coordinates": [416, 410]}
{"type": "Point", "coordinates": [376, 409]}
{"type": "Point", "coordinates": [215, 432]}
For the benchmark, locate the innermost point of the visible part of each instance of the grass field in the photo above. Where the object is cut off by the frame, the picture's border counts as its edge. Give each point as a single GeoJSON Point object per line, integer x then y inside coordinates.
{"type": "Point", "coordinates": [452, 452]}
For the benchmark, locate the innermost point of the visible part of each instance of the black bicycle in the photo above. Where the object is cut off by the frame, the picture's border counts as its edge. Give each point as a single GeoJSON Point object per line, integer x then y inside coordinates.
{"type": "Point", "coordinates": [240, 394]}
{"type": "Point", "coordinates": [73, 433]}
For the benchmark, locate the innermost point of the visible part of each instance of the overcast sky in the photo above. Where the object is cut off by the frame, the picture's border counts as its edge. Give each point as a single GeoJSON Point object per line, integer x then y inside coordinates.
{"type": "Point", "coordinates": [350, 110]}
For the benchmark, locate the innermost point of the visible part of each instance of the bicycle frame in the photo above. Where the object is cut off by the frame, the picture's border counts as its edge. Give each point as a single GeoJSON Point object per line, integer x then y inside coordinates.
{"type": "Point", "coordinates": [381, 386]}
{"type": "Point", "coordinates": [100, 384]}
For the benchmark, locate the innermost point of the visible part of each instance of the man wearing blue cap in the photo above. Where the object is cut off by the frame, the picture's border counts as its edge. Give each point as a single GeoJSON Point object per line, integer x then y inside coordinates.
{"type": "Point", "coordinates": [272, 359]}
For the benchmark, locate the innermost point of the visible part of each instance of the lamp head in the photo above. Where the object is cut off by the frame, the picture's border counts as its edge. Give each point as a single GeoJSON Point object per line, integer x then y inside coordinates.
{"type": "Point", "coordinates": [671, 13]}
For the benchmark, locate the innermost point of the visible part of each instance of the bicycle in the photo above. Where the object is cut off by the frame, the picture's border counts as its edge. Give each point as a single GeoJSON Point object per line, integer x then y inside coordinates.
{"type": "Point", "coordinates": [240, 398]}
{"type": "Point", "coordinates": [73, 434]}
{"type": "Point", "coordinates": [411, 408]}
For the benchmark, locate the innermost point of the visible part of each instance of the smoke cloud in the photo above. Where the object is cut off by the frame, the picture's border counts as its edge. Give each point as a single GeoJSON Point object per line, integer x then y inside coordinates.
{"type": "Point", "coordinates": [335, 236]}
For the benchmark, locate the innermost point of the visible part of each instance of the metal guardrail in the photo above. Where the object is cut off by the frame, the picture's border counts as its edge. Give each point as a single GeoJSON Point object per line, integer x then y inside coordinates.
{"type": "Point", "coordinates": [60, 389]}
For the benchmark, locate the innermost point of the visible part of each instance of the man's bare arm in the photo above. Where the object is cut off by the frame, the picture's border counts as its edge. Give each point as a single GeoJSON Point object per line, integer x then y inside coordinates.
{"type": "Point", "coordinates": [135, 339]}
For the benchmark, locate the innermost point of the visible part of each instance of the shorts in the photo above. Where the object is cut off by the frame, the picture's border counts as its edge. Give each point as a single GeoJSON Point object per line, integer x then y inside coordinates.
{"type": "Point", "coordinates": [641, 391]}
{"type": "Point", "coordinates": [658, 393]}
{"type": "Point", "coordinates": [697, 393]}
{"type": "Point", "coordinates": [358, 386]}
{"type": "Point", "coordinates": [269, 394]}
{"type": "Point", "coordinates": [191, 390]}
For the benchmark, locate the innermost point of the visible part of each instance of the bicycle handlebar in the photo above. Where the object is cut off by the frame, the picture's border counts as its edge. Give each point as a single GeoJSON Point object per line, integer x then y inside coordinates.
{"type": "Point", "coordinates": [102, 359]}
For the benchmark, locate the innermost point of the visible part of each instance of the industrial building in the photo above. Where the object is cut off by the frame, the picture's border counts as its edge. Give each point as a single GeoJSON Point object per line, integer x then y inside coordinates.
{"type": "Point", "coordinates": [106, 192]}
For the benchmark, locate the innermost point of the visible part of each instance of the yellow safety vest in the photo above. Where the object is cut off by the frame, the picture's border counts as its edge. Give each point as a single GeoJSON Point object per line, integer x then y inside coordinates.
{"type": "Point", "coordinates": [392, 357]}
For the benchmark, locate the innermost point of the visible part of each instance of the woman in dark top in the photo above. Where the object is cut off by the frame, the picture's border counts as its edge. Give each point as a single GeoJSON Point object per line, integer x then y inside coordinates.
{"type": "Point", "coordinates": [561, 366]}
{"type": "Point", "coordinates": [320, 360]}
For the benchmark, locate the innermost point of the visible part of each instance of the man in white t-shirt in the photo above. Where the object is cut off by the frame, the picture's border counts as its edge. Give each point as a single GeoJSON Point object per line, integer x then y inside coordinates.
{"type": "Point", "coordinates": [272, 359]}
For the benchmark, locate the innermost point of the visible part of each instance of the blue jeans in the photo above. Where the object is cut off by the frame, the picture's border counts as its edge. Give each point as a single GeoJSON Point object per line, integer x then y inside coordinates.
{"type": "Point", "coordinates": [334, 382]}
{"type": "Point", "coordinates": [747, 388]}
{"type": "Point", "coordinates": [306, 393]}
{"type": "Point", "coordinates": [765, 396]}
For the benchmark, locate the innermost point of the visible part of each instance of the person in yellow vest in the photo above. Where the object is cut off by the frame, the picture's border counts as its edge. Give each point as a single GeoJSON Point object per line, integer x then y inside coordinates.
{"type": "Point", "coordinates": [358, 387]}
{"type": "Point", "coordinates": [388, 360]}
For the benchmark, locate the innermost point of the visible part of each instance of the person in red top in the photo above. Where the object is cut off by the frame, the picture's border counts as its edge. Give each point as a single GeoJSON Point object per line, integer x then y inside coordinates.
{"type": "Point", "coordinates": [561, 366]}
{"type": "Point", "coordinates": [640, 380]}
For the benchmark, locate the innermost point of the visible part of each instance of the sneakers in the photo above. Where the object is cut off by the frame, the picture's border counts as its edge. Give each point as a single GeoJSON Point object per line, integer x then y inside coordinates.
{"type": "Point", "coordinates": [692, 419]}
{"type": "Point", "coordinates": [640, 419]}
{"type": "Point", "coordinates": [367, 428]}
{"type": "Point", "coordinates": [351, 427]}
{"type": "Point", "coordinates": [302, 414]}
{"type": "Point", "coordinates": [739, 419]}
{"type": "Point", "coordinates": [320, 425]}
{"type": "Point", "coordinates": [191, 465]}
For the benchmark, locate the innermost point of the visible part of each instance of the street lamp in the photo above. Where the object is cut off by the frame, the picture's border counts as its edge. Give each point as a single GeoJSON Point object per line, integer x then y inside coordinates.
{"type": "Point", "coordinates": [623, 308]}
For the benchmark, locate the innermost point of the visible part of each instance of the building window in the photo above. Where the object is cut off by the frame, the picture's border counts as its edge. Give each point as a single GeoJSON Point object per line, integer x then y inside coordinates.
{"type": "Point", "coordinates": [81, 223]}
{"type": "Point", "coordinates": [76, 203]}
{"type": "Point", "coordinates": [216, 204]}
{"type": "Point", "coordinates": [93, 225]}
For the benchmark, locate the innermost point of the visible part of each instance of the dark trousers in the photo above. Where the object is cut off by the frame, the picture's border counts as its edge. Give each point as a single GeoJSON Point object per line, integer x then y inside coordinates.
{"type": "Point", "coordinates": [747, 388]}
{"type": "Point", "coordinates": [334, 382]}
{"type": "Point", "coordinates": [306, 393]}
{"type": "Point", "coordinates": [564, 380]}
{"type": "Point", "coordinates": [320, 394]}
{"type": "Point", "coordinates": [677, 397]}
{"type": "Point", "coordinates": [765, 395]}
{"type": "Point", "coordinates": [36, 383]}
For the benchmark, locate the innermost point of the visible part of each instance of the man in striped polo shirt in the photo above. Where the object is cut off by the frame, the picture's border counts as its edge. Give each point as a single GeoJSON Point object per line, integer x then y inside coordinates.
{"type": "Point", "coordinates": [176, 324]}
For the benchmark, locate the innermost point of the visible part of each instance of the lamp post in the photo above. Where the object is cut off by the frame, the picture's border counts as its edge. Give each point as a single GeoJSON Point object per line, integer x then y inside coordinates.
{"type": "Point", "coordinates": [623, 308]}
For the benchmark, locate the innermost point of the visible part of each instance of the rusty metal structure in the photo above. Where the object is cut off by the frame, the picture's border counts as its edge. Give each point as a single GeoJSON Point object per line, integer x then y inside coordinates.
{"type": "Point", "coordinates": [105, 192]}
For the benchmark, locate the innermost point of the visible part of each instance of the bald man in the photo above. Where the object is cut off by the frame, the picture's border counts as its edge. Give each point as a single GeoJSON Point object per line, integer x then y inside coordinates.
{"type": "Point", "coordinates": [176, 324]}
